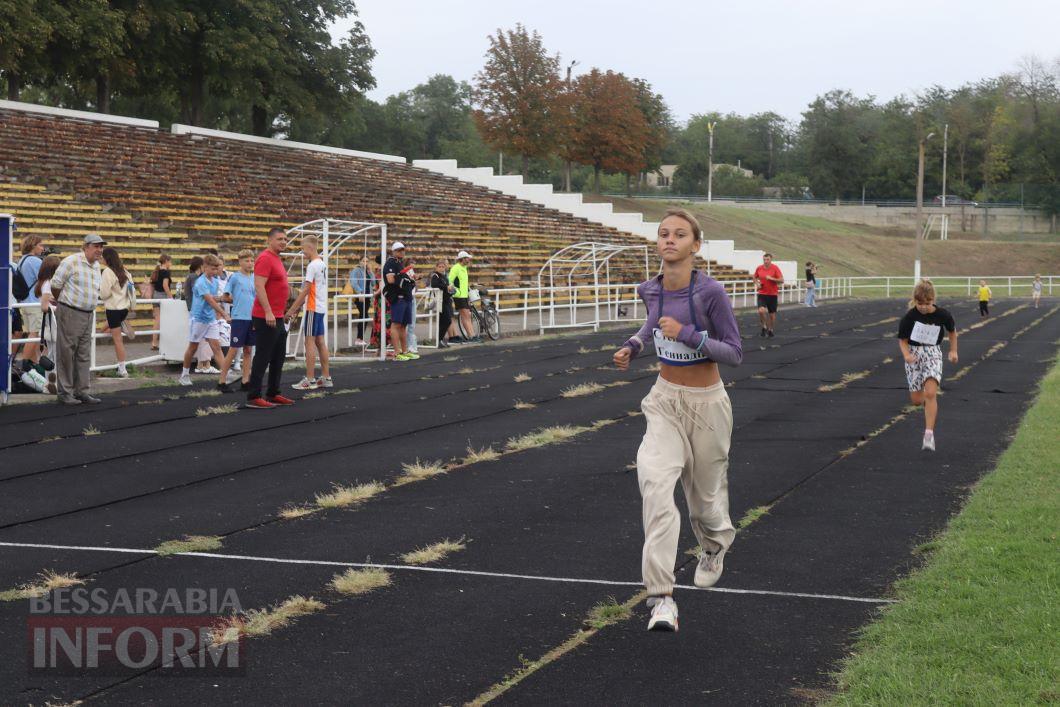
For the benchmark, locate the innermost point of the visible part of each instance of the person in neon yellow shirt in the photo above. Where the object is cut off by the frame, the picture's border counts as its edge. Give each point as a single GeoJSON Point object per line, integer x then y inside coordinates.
{"type": "Point", "coordinates": [984, 298]}
{"type": "Point", "coordinates": [459, 279]}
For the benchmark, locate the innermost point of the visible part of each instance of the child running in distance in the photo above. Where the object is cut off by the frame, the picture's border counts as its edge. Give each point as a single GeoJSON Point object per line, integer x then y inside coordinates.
{"type": "Point", "coordinates": [1036, 290]}
{"type": "Point", "coordinates": [239, 292]}
{"type": "Point", "coordinates": [984, 298]}
{"type": "Point", "coordinates": [920, 338]}
{"type": "Point", "coordinates": [688, 414]}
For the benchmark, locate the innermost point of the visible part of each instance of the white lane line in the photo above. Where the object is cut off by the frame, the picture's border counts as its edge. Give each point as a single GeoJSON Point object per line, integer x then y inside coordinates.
{"type": "Point", "coordinates": [445, 570]}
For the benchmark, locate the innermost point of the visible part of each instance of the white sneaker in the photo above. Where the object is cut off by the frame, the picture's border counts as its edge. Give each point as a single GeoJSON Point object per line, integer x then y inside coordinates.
{"type": "Point", "coordinates": [305, 384]}
{"type": "Point", "coordinates": [122, 372]}
{"type": "Point", "coordinates": [929, 441]}
{"type": "Point", "coordinates": [323, 382]}
{"type": "Point", "coordinates": [126, 328]}
{"type": "Point", "coordinates": [212, 370]}
{"type": "Point", "coordinates": [663, 614]}
{"type": "Point", "coordinates": [184, 379]}
{"type": "Point", "coordinates": [708, 571]}
{"type": "Point", "coordinates": [361, 343]}
{"type": "Point", "coordinates": [236, 367]}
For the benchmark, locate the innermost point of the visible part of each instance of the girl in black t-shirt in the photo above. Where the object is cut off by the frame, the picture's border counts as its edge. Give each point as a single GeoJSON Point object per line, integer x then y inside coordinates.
{"type": "Point", "coordinates": [920, 336]}
{"type": "Point", "coordinates": [161, 288]}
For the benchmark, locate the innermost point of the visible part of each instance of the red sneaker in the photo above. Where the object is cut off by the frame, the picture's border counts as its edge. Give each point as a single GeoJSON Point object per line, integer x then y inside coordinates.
{"type": "Point", "coordinates": [280, 400]}
{"type": "Point", "coordinates": [259, 404]}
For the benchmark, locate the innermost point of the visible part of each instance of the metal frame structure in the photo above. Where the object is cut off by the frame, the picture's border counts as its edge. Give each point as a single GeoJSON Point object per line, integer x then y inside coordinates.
{"type": "Point", "coordinates": [7, 228]}
{"type": "Point", "coordinates": [333, 234]}
{"type": "Point", "coordinates": [581, 259]}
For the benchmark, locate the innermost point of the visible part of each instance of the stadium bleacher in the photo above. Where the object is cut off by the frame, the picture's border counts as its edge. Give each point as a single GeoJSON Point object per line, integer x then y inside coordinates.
{"type": "Point", "coordinates": [149, 191]}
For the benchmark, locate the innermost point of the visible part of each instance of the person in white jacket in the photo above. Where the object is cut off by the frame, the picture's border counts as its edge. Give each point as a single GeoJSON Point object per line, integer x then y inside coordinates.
{"type": "Point", "coordinates": [118, 295]}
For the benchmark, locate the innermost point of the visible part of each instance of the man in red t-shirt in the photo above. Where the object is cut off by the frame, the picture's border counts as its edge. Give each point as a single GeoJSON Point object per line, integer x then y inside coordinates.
{"type": "Point", "coordinates": [270, 325]}
{"type": "Point", "coordinates": [768, 280]}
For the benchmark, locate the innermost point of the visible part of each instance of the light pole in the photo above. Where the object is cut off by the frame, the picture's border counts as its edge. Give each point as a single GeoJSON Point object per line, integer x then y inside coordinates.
{"type": "Point", "coordinates": [710, 161]}
{"type": "Point", "coordinates": [945, 147]}
{"type": "Point", "coordinates": [919, 205]}
{"type": "Point", "coordinates": [566, 176]}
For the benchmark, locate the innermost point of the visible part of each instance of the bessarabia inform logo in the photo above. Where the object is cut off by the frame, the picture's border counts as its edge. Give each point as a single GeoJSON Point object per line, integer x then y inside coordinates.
{"type": "Point", "coordinates": [78, 631]}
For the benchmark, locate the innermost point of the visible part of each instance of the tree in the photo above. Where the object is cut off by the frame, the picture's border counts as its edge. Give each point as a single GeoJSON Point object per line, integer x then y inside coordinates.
{"type": "Point", "coordinates": [610, 131]}
{"type": "Point", "coordinates": [517, 96]}
{"type": "Point", "coordinates": [26, 29]}
{"type": "Point", "coordinates": [659, 123]}
{"type": "Point", "coordinates": [838, 142]}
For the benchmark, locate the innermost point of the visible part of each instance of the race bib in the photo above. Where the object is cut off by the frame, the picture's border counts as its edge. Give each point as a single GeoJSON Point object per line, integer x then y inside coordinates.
{"type": "Point", "coordinates": [675, 353]}
{"type": "Point", "coordinates": [925, 334]}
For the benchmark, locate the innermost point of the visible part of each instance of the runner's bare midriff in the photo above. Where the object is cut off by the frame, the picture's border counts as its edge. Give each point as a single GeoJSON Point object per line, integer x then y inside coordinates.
{"type": "Point", "coordinates": [701, 375]}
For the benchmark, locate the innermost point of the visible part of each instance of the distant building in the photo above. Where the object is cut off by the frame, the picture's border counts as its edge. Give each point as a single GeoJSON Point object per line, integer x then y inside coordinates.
{"type": "Point", "coordinates": [663, 178]}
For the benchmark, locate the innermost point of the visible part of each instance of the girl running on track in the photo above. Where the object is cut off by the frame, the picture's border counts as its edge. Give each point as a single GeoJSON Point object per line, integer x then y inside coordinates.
{"type": "Point", "coordinates": [688, 414]}
{"type": "Point", "coordinates": [920, 337]}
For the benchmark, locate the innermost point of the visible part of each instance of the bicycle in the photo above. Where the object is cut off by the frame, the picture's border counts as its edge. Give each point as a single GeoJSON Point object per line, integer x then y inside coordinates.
{"type": "Point", "coordinates": [489, 321]}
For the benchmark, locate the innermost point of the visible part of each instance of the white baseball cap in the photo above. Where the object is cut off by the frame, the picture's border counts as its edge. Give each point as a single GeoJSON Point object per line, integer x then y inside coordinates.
{"type": "Point", "coordinates": [398, 245]}
{"type": "Point", "coordinates": [463, 254]}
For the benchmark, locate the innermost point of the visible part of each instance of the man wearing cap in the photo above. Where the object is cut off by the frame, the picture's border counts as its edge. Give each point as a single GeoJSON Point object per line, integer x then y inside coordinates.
{"type": "Point", "coordinates": [398, 287]}
{"type": "Point", "coordinates": [75, 286]}
{"type": "Point", "coordinates": [458, 278]}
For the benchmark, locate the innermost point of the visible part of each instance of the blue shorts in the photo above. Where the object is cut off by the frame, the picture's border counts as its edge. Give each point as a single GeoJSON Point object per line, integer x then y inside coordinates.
{"type": "Point", "coordinates": [314, 325]}
{"type": "Point", "coordinates": [401, 311]}
{"type": "Point", "coordinates": [242, 333]}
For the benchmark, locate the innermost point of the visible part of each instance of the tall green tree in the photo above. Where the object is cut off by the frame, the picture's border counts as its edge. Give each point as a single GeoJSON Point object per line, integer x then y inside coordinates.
{"type": "Point", "coordinates": [837, 129]}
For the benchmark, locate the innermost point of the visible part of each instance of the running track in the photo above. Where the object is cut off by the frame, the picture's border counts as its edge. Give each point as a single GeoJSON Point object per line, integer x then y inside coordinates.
{"type": "Point", "coordinates": [848, 490]}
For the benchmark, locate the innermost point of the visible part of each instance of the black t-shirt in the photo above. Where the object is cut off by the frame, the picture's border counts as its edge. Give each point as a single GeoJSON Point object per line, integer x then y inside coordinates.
{"type": "Point", "coordinates": [158, 281]}
{"type": "Point", "coordinates": [440, 281]}
{"type": "Point", "coordinates": [392, 267]}
{"type": "Point", "coordinates": [931, 329]}
{"type": "Point", "coordinates": [810, 277]}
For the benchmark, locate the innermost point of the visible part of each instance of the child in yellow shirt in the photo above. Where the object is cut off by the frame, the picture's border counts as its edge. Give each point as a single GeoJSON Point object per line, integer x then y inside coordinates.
{"type": "Point", "coordinates": [984, 298]}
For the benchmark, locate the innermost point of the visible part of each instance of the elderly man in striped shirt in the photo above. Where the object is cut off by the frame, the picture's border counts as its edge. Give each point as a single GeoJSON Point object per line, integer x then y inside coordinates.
{"type": "Point", "coordinates": [75, 285]}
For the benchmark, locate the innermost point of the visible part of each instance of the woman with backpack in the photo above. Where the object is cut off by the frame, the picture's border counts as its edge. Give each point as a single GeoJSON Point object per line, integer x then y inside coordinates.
{"type": "Point", "coordinates": [119, 296]}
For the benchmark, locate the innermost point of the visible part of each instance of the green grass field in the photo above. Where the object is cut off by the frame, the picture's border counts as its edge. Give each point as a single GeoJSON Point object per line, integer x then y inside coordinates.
{"type": "Point", "coordinates": [979, 624]}
{"type": "Point", "coordinates": [851, 249]}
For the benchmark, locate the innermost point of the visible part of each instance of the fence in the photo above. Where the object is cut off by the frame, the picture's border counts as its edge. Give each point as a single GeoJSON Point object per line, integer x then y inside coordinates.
{"type": "Point", "coordinates": [613, 303]}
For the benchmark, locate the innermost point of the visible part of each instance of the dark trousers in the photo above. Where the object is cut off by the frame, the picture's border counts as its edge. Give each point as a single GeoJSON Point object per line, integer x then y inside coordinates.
{"type": "Point", "coordinates": [445, 318]}
{"type": "Point", "coordinates": [270, 353]}
{"type": "Point", "coordinates": [984, 308]}
{"type": "Point", "coordinates": [362, 309]}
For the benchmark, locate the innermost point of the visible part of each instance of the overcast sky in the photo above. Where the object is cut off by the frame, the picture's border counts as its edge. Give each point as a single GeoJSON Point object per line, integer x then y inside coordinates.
{"type": "Point", "coordinates": [743, 57]}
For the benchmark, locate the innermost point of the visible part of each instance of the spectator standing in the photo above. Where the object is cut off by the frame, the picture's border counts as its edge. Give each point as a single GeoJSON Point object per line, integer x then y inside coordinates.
{"type": "Point", "coordinates": [43, 290]}
{"type": "Point", "coordinates": [206, 311]}
{"type": "Point", "coordinates": [1036, 290]}
{"type": "Point", "coordinates": [161, 287]}
{"type": "Point", "coordinates": [314, 294]}
{"type": "Point", "coordinates": [29, 267]}
{"type": "Point", "coordinates": [270, 328]}
{"type": "Point", "coordinates": [811, 284]}
{"type": "Point", "coordinates": [363, 280]}
{"type": "Point", "coordinates": [75, 285]}
{"type": "Point", "coordinates": [239, 293]}
{"type": "Point", "coordinates": [440, 282]}
{"type": "Point", "coordinates": [203, 354]}
{"type": "Point", "coordinates": [118, 295]}
{"type": "Point", "coordinates": [459, 279]}
{"type": "Point", "coordinates": [398, 288]}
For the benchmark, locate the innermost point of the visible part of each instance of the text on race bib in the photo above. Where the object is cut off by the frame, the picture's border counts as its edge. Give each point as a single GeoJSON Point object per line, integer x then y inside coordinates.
{"type": "Point", "coordinates": [675, 353]}
{"type": "Point", "coordinates": [926, 334]}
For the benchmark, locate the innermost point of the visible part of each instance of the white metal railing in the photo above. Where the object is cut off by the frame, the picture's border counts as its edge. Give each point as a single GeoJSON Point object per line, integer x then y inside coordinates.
{"type": "Point", "coordinates": [605, 300]}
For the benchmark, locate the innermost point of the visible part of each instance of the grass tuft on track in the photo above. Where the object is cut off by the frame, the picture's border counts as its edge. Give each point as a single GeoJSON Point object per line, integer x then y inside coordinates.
{"type": "Point", "coordinates": [607, 613]}
{"type": "Point", "coordinates": [544, 436]}
{"type": "Point", "coordinates": [45, 582]}
{"type": "Point", "coordinates": [486, 454]}
{"type": "Point", "coordinates": [292, 511]}
{"type": "Point", "coordinates": [577, 391]}
{"type": "Point", "coordinates": [433, 553]}
{"type": "Point", "coordinates": [261, 622]}
{"type": "Point", "coordinates": [208, 393]}
{"type": "Point", "coordinates": [520, 405]}
{"type": "Point", "coordinates": [978, 623]}
{"type": "Point", "coordinates": [345, 496]}
{"type": "Point", "coordinates": [91, 431]}
{"type": "Point", "coordinates": [360, 581]}
{"type": "Point", "coordinates": [225, 409]}
{"type": "Point", "coordinates": [751, 516]}
{"type": "Point", "coordinates": [522, 377]}
{"type": "Point", "coordinates": [418, 471]}
{"type": "Point", "coordinates": [190, 543]}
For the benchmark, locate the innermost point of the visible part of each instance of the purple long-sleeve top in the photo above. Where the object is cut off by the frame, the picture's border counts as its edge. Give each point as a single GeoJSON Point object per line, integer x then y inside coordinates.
{"type": "Point", "coordinates": [710, 332]}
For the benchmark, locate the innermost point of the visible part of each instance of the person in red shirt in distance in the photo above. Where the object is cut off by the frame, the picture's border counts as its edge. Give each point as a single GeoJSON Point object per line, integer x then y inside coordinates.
{"type": "Point", "coordinates": [768, 279]}
{"type": "Point", "coordinates": [270, 325]}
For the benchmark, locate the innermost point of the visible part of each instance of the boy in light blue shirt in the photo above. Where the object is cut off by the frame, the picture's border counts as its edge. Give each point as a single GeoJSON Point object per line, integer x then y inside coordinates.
{"type": "Point", "coordinates": [239, 292]}
{"type": "Point", "coordinates": [205, 312]}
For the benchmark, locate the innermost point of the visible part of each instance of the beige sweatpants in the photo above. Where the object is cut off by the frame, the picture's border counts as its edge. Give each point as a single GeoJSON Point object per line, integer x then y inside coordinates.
{"type": "Point", "coordinates": [688, 436]}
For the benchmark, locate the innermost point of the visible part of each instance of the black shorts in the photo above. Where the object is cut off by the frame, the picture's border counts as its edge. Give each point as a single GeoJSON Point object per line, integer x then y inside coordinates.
{"type": "Point", "coordinates": [461, 303]}
{"type": "Point", "coordinates": [115, 317]}
{"type": "Point", "coordinates": [769, 302]}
